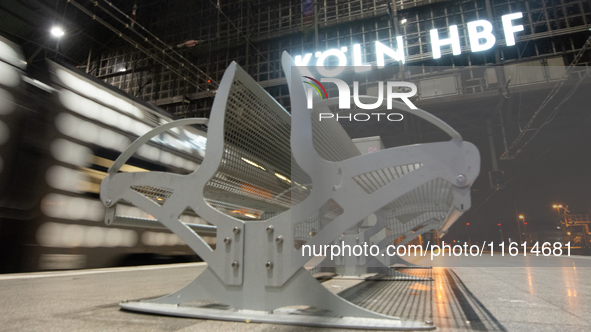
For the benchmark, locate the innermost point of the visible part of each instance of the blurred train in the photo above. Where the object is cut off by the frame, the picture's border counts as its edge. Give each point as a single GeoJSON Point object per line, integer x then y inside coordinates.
{"type": "Point", "coordinates": [59, 134]}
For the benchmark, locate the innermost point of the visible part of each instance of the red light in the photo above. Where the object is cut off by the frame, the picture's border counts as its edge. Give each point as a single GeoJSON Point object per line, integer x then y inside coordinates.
{"type": "Point", "coordinates": [498, 224]}
{"type": "Point", "coordinates": [467, 224]}
{"type": "Point", "coordinates": [525, 223]}
{"type": "Point", "coordinates": [208, 81]}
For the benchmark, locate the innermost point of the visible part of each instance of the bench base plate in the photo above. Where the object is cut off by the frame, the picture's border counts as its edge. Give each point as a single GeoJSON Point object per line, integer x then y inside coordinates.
{"type": "Point", "coordinates": [281, 316]}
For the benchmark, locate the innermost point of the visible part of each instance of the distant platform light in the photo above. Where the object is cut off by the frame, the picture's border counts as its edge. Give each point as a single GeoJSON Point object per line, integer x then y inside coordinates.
{"type": "Point", "coordinates": [57, 32]}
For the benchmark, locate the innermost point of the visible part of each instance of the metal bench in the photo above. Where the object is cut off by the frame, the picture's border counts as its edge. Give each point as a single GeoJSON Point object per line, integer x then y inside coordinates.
{"type": "Point", "coordinates": [285, 171]}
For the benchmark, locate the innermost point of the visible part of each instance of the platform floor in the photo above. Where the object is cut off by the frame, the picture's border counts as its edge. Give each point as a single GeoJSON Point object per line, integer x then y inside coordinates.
{"type": "Point", "coordinates": [458, 299]}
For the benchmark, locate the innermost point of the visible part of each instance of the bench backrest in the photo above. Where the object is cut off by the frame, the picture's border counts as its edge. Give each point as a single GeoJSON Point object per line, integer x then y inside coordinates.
{"type": "Point", "coordinates": [254, 167]}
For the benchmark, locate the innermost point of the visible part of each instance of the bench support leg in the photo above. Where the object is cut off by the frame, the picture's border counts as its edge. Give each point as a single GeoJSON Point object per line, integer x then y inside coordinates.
{"type": "Point", "coordinates": [302, 289]}
{"type": "Point", "coordinates": [254, 300]}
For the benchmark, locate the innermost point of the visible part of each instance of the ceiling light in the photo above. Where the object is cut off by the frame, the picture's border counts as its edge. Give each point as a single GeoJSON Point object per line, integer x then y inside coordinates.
{"type": "Point", "coordinates": [57, 32]}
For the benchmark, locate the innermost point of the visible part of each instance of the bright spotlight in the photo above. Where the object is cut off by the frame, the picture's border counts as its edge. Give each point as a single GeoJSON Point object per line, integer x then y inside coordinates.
{"type": "Point", "coordinates": [57, 32]}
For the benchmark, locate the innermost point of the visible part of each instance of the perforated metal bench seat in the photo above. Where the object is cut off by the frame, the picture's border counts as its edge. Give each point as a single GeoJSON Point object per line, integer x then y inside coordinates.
{"type": "Point", "coordinates": [287, 174]}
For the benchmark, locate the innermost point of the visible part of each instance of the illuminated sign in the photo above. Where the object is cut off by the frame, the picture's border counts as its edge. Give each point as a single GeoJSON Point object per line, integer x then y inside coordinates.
{"type": "Point", "coordinates": [480, 36]}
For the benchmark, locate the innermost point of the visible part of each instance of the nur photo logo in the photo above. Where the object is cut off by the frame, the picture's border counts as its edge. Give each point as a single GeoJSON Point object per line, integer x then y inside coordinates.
{"type": "Point", "coordinates": [392, 92]}
{"type": "Point", "coordinates": [318, 84]}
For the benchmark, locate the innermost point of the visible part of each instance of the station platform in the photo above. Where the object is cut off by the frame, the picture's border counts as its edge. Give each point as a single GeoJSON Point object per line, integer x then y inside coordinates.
{"type": "Point", "coordinates": [457, 299]}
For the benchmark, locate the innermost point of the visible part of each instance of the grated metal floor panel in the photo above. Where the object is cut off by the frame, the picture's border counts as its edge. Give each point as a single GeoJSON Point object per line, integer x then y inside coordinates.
{"type": "Point", "coordinates": [445, 300]}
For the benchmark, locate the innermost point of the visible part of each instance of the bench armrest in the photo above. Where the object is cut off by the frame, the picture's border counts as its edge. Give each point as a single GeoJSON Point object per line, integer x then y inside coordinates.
{"type": "Point", "coordinates": [123, 157]}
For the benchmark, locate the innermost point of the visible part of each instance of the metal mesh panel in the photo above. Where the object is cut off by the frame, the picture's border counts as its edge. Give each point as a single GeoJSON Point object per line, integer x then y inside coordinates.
{"type": "Point", "coordinates": [374, 180]}
{"type": "Point", "coordinates": [435, 195]}
{"type": "Point", "coordinates": [430, 202]}
{"type": "Point", "coordinates": [330, 140]}
{"type": "Point", "coordinates": [313, 224]}
{"type": "Point", "coordinates": [257, 162]}
{"type": "Point", "coordinates": [235, 185]}
{"type": "Point", "coordinates": [400, 224]}
{"type": "Point", "coordinates": [156, 194]}
{"type": "Point", "coordinates": [235, 210]}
